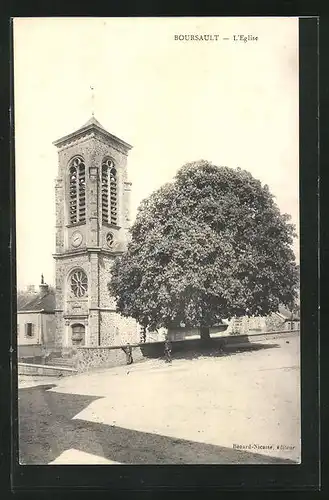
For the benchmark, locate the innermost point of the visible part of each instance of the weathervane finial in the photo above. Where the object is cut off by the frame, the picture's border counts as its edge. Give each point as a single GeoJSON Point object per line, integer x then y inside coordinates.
{"type": "Point", "coordinates": [92, 88]}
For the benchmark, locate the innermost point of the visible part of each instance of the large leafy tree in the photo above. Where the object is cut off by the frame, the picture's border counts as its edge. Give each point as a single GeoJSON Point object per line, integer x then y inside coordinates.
{"type": "Point", "coordinates": [210, 245]}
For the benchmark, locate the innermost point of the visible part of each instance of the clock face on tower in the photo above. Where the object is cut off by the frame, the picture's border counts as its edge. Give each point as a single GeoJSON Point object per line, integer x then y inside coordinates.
{"type": "Point", "coordinates": [76, 239]}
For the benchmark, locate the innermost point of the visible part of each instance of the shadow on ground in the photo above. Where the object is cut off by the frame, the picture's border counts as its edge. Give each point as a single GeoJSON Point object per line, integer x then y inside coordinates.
{"type": "Point", "coordinates": [195, 348]}
{"type": "Point", "coordinates": [46, 430]}
{"type": "Point", "coordinates": [222, 351]}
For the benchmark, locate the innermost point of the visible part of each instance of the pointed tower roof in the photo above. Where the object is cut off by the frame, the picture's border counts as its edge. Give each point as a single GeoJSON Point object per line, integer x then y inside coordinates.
{"type": "Point", "coordinates": [92, 125]}
{"type": "Point", "coordinates": [93, 121]}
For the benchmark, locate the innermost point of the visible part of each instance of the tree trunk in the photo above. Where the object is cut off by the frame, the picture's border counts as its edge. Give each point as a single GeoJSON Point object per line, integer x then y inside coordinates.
{"type": "Point", "coordinates": [205, 333]}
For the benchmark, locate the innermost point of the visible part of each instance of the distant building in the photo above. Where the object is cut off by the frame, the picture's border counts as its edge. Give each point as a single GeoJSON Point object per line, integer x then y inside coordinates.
{"type": "Point", "coordinates": [281, 320]}
{"type": "Point", "coordinates": [36, 323]}
{"type": "Point", "coordinates": [291, 320]}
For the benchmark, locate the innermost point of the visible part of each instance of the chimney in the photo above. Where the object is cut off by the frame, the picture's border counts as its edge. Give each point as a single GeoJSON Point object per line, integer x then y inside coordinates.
{"type": "Point", "coordinates": [43, 287]}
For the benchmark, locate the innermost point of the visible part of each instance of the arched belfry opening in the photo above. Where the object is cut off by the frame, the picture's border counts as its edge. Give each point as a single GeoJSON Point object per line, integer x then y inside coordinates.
{"type": "Point", "coordinates": [109, 187]}
{"type": "Point", "coordinates": [77, 191]}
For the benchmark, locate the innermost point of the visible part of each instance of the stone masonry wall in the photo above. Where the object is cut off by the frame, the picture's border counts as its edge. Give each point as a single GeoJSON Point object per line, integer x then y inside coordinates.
{"type": "Point", "coordinates": [59, 332]}
{"type": "Point", "coordinates": [117, 330]}
{"type": "Point", "coordinates": [105, 265]}
{"type": "Point", "coordinates": [88, 358]}
{"type": "Point", "coordinates": [269, 323]}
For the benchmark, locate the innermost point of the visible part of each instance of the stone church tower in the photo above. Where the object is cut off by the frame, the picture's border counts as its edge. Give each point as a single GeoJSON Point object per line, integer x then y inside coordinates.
{"type": "Point", "coordinates": [92, 220]}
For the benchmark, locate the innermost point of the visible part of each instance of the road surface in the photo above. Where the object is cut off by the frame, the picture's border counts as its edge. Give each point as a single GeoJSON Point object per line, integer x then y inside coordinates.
{"type": "Point", "coordinates": [241, 407]}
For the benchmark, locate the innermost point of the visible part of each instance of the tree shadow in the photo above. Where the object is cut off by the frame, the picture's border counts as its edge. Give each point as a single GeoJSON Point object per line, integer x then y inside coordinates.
{"type": "Point", "coordinates": [213, 347]}
{"type": "Point", "coordinates": [222, 351]}
{"type": "Point", "coordinates": [46, 430]}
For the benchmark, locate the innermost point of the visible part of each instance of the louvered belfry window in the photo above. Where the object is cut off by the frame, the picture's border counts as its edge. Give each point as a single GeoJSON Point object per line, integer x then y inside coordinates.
{"type": "Point", "coordinates": [109, 192]}
{"type": "Point", "coordinates": [77, 203]}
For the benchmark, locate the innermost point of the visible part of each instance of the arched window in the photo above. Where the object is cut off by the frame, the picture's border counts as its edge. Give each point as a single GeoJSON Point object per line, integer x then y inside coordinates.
{"type": "Point", "coordinates": [79, 283]}
{"type": "Point", "coordinates": [109, 192]}
{"type": "Point", "coordinates": [77, 190]}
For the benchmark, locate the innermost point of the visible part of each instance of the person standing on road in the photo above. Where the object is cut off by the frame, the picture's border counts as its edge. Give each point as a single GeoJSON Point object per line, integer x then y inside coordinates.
{"type": "Point", "coordinates": [167, 350]}
{"type": "Point", "coordinates": [129, 354]}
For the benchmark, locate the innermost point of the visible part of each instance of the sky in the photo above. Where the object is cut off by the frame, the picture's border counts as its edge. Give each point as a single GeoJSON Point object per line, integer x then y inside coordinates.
{"type": "Point", "coordinates": [230, 102]}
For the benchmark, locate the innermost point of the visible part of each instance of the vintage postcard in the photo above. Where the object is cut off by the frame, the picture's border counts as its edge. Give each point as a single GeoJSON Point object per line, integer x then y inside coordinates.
{"type": "Point", "coordinates": [157, 230]}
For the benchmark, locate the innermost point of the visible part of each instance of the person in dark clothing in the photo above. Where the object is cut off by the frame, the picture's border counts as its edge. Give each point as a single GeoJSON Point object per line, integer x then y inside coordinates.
{"type": "Point", "coordinates": [167, 351]}
{"type": "Point", "coordinates": [129, 354]}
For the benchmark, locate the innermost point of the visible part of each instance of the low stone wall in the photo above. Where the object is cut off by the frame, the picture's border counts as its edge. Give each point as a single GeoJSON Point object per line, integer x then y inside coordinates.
{"type": "Point", "coordinates": [88, 358]}
{"type": "Point", "coordinates": [29, 351]}
{"type": "Point", "coordinates": [44, 370]}
{"type": "Point", "coordinates": [261, 337]}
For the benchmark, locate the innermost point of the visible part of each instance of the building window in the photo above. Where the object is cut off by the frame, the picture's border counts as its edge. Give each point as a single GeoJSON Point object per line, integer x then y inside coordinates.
{"type": "Point", "coordinates": [29, 329]}
{"type": "Point", "coordinates": [109, 192]}
{"type": "Point", "coordinates": [77, 190]}
{"type": "Point", "coordinates": [79, 283]}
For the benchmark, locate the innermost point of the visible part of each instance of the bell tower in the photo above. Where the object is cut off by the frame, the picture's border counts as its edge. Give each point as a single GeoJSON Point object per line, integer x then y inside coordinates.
{"type": "Point", "coordinates": [92, 194]}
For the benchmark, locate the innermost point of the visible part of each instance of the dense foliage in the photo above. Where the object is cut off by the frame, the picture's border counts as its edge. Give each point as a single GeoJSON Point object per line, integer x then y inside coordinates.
{"type": "Point", "coordinates": [210, 245]}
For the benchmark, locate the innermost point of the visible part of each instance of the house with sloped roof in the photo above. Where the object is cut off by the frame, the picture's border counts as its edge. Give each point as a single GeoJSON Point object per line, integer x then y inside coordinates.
{"type": "Point", "coordinates": [36, 325]}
